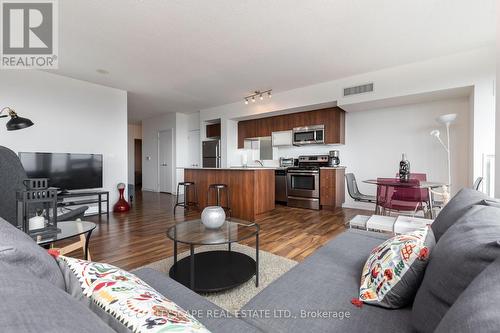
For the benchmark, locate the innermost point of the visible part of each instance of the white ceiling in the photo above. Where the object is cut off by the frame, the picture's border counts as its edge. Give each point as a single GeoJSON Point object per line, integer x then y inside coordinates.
{"type": "Point", "coordinates": [186, 55]}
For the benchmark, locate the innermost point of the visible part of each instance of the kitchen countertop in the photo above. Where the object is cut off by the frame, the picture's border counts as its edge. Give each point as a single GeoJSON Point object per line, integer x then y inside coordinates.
{"type": "Point", "coordinates": [337, 167]}
{"type": "Point", "coordinates": [235, 168]}
{"type": "Point", "coordinates": [253, 168]}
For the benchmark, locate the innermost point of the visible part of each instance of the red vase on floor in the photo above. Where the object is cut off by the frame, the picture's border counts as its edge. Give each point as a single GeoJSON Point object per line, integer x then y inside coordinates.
{"type": "Point", "coordinates": [122, 204]}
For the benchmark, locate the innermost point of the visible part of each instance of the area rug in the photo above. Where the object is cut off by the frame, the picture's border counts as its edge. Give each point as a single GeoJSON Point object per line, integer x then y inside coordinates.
{"type": "Point", "coordinates": [271, 267]}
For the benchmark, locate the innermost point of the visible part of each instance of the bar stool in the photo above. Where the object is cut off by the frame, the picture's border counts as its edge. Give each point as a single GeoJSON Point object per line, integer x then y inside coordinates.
{"type": "Point", "coordinates": [219, 188]}
{"type": "Point", "coordinates": [185, 203]}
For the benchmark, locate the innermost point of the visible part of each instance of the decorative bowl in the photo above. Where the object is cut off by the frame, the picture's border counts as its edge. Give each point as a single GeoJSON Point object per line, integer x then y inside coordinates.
{"type": "Point", "coordinates": [213, 217]}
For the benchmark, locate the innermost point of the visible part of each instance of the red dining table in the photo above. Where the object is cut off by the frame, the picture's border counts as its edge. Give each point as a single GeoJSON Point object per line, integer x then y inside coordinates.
{"type": "Point", "coordinates": [395, 182]}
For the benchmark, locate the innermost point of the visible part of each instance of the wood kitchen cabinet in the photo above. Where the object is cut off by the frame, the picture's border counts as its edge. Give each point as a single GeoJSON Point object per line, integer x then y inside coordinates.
{"type": "Point", "coordinates": [281, 123]}
{"type": "Point", "coordinates": [246, 129]}
{"type": "Point", "coordinates": [301, 119]}
{"type": "Point", "coordinates": [213, 131]}
{"type": "Point", "coordinates": [319, 117]}
{"type": "Point", "coordinates": [332, 189]}
{"type": "Point", "coordinates": [264, 127]}
{"type": "Point", "coordinates": [251, 192]}
{"type": "Point", "coordinates": [334, 122]}
{"type": "Point", "coordinates": [332, 118]}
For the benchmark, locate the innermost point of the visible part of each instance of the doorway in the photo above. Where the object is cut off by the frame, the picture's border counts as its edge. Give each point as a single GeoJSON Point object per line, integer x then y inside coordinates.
{"type": "Point", "coordinates": [138, 164]}
{"type": "Point", "coordinates": [165, 160]}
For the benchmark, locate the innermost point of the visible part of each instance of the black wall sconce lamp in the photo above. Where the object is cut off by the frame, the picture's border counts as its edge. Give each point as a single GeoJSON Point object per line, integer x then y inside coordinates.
{"type": "Point", "coordinates": [15, 122]}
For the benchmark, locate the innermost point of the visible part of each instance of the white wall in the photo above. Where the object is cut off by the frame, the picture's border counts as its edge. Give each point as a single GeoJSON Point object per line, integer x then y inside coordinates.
{"type": "Point", "coordinates": [181, 125]}
{"type": "Point", "coordinates": [185, 125]}
{"type": "Point", "coordinates": [376, 139]}
{"type": "Point", "coordinates": [134, 132]}
{"type": "Point", "coordinates": [475, 68]}
{"type": "Point", "coordinates": [150, 129]}
{"type": "Point", "coordinates": [182, 144]}
{"type": "Point", "coordinates": [497, 147]}
{"type": "Point", "coordinates": [193, 120]}
{"type": "Point", "coordinates": [483, 122]}
{"type": "Point", "coordinates": [70, 116]}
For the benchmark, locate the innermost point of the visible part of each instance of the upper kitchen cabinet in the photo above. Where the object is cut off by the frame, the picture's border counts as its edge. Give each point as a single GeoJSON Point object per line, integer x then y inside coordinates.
{"type": "Point", "coordinates": [281, 123]}
{"type": "Point", "coordinates": [213, 131]}
{"type": "Point", "coordinates": [332, 118]}
{"type": "Point", "coordinates": [334, 121]}
{"type": "Point", "coordinates": [337, 132]}
{"type": "Point", "coordinates": [263, 127]}
{"type": "Point", "coordinates": [282, 139]}
{"type": "Point", "coordinates": [301, 119]}
{"type": "Point", "coordinates": [246, 130]}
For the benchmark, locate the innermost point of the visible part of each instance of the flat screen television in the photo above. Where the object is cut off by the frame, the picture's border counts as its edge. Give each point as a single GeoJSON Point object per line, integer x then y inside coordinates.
{"type": "Point", "coordinates": [65, 171]}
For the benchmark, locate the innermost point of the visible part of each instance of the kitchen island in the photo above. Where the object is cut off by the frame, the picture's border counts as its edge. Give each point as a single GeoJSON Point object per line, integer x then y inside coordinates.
{"type": "Point", "coordinates": [251, 189]}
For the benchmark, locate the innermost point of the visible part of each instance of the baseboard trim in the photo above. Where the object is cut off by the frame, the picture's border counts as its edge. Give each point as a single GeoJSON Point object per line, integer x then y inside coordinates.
{"type": "Point", "coordinates": [359, 205]}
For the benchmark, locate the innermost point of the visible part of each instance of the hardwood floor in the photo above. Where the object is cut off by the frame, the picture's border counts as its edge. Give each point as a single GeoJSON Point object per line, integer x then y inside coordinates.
{"type": "Point", "coordinates": [133, 239]}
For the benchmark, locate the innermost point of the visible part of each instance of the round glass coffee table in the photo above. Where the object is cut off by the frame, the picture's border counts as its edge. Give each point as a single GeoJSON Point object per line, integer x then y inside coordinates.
{"type": "Point", "coordinates": [216, 270]}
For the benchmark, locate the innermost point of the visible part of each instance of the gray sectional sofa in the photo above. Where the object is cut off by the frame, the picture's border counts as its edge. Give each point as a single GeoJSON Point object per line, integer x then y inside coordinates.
{"type": "Point", "coordinates": [459, 292]}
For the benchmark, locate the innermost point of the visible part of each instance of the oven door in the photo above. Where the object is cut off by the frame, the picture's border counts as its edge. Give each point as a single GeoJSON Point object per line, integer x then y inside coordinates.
{"type": "Point", "coordinates": [303, 184]}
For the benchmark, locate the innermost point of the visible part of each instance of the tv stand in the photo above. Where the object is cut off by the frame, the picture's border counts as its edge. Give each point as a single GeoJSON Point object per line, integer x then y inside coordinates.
{"type": "Point", "coordinates": [63, 192]}
{"type": "Point", "coordinates": [89, 197]}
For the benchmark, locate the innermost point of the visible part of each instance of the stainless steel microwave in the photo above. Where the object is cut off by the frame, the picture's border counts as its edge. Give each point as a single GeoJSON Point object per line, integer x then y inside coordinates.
{"type": "Point", "coordinates": [309, 135]}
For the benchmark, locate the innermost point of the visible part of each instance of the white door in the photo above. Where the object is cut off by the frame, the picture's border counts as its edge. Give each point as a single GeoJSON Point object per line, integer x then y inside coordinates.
{"type": "Point", "coordinates": [165, 160]}
{"type": "Point", "coordinates": [194, 148]}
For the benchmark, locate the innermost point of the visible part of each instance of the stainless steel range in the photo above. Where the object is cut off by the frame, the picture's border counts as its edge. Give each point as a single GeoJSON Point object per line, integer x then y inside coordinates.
{"type": "Point", "coordinates": [303, 181]}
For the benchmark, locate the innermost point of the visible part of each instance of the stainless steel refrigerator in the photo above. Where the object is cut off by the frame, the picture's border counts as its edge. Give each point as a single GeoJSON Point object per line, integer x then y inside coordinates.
{"type": "Point", "coordinates": [211, 154]}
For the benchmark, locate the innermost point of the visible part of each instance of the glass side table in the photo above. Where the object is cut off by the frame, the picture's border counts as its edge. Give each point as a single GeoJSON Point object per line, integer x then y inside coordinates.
{"type": "Point", "coordinates": [216, 270]}
{"type": "Point", "coordinates": [68, 229]}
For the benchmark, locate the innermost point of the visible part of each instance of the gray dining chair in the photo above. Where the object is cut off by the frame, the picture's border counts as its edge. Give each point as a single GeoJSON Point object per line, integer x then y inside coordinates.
{"type": "Point", "coordinates": [352, 188]}
{"type": "Point", "coordinates": [477, 183]}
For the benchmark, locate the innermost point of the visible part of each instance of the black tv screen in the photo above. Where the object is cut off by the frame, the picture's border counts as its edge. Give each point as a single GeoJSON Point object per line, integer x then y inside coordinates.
{"type": "Point", "coordinates": [65, 171]}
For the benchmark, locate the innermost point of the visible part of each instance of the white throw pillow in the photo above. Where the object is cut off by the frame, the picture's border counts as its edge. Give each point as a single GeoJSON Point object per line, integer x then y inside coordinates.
{"type": "Point", "coordinates": [394, 270]}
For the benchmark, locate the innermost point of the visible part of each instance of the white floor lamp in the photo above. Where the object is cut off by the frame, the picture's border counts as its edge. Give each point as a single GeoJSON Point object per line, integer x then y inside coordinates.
{"type": "Point", "coordinates": [447, 120]}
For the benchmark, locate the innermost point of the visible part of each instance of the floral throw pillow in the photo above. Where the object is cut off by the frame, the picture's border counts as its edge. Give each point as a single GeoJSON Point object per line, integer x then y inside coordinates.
{"type": "Point", "coordinates": [395, 269]}
{"type": "Point", "coordinates": [130, 300]}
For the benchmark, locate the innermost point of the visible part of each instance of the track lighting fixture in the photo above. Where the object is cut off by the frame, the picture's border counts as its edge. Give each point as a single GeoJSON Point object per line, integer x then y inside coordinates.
{"type": "Point", "coordinates": [259, 94]}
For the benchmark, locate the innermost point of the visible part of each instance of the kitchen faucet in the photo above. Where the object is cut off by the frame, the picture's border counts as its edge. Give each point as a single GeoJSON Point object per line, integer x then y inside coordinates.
{"type": "Point", "coordinates": [260, 162]}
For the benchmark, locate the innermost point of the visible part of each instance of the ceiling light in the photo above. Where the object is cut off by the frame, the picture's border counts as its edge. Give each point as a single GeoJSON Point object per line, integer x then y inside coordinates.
{"type": "Point", "coordinates": [269, 94]}
{"type": "Point", "coordinates": [259, 94]}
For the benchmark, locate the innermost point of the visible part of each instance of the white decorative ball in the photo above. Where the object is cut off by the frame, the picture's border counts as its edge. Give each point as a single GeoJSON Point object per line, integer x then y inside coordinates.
{"type": "Point", "coordinates": [213, 217]}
